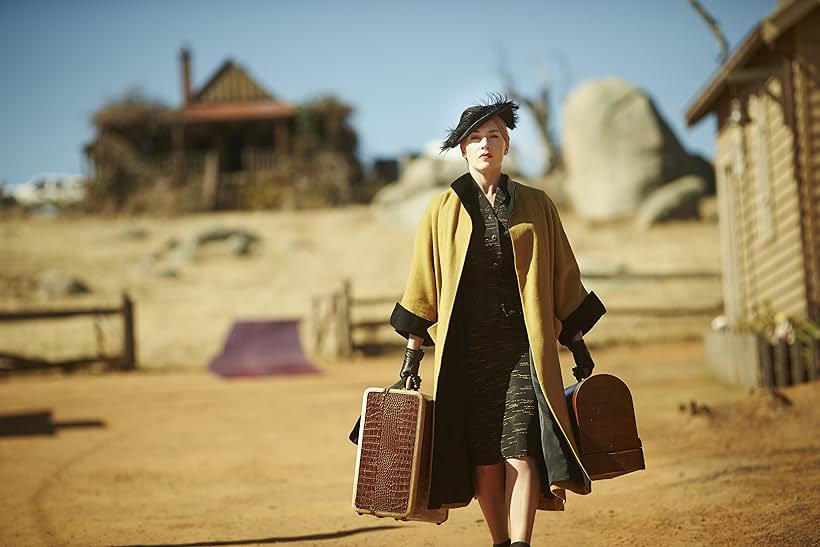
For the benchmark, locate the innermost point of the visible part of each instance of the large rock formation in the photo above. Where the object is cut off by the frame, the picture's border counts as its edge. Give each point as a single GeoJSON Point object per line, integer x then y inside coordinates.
{"type": "Point", "coordinates": [428, 170]}
{"type": "Point", "coordinates": [421, 179]}
{"type": "Point", "coordinates": [619, 150]}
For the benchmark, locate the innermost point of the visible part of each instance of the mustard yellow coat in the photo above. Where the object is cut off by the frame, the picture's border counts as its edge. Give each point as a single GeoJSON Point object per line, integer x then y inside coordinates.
{"type": "Point", "coordinates": [554, 302]}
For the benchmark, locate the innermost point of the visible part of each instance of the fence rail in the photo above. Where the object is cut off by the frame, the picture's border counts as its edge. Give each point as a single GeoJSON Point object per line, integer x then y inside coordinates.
{"type": "Point", "coordinates": [335, 331]}
{"type": "Point", "coordinates": [650, 276]}
{"type": "Point", "coordinates": [127, 360]}
{"type": "Point", "coordinates": [751, 360]}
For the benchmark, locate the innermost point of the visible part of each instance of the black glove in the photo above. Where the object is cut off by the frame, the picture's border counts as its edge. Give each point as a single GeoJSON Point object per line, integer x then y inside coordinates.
{"type": "Point", "coordinates": [583, 360]}
{"type": "Point", "coordinates": [410, 369]}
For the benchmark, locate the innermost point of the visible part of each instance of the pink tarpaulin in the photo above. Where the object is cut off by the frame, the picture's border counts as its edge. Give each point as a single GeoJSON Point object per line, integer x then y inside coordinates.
{"type": "Point", "coordinates": [257, 348]}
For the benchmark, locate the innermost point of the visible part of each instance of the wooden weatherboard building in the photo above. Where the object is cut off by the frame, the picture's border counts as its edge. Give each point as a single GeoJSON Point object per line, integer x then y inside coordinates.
{"type": "Point", "coordinates": [230, 140]}
{"type": "Point", "coordinates": [766, 100]}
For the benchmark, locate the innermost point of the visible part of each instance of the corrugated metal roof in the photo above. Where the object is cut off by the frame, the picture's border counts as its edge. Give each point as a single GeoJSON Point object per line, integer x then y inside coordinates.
{"type": "Point", "coordinates": [235, 111]}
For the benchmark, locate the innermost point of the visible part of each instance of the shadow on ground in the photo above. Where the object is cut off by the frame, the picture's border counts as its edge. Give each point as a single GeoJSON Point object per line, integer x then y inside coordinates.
{"type": "Point", "coordinates": [281, 539]}
{"type": "Point", "coordinates": [39, 423]}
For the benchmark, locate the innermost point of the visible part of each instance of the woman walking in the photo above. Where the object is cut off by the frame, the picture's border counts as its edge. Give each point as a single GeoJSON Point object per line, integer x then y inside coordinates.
{"type": "Point", "coordinates": [494, 283]}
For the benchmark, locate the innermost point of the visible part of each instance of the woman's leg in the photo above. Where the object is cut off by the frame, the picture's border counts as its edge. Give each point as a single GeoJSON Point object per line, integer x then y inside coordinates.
{"type": "Point", "coordinates": [489, 490]}
{"type": "Point", "coordinates": [523, 489]}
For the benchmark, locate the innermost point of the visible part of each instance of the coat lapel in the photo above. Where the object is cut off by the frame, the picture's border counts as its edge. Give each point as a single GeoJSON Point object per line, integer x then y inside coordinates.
{"type": "Point", "coordinates": [463, 186]}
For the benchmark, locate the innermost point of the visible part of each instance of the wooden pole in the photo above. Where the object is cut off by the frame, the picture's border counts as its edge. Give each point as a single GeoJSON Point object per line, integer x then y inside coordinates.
{"type": "Point", "coordinates": [210, 181]}
{"type": "Point", "coordinates": [281, 137]}
{"type": "Point", "coordinates": [178, 145]}
{"type": "Point", "coordinates": [129, 347]}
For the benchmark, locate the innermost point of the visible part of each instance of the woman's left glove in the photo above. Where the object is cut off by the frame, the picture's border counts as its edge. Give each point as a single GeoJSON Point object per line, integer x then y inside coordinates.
{"type": "Point", "coordinates": [583, 360]}
{"type": "Point", "coordinates": [410, 368]}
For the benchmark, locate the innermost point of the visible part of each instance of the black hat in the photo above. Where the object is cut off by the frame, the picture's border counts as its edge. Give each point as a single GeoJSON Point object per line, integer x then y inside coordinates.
{"type": "Point", "coordinates": [495, 105]}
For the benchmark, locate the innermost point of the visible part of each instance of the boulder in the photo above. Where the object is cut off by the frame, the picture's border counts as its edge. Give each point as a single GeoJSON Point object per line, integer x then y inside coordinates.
{"type": "Point", "coordinates": [409, 211]}
{"type": "Point", "coordinates": [422, 178]}
{"type": "Point", "coordinates": [555, 186]}
{"type": "Point", "coordinates": [423, 172]}
{"type": "Point", "coordinates": [618, 150]}
{"type": "Point", "coordinates": [54, 283]}
{"type": "Point", "coordinates": [175, 253]}
{"type": "Point", "coordinates": [677, 200]}
{"type": "Point", "coordinates": [132, 234]}
{"type": "Point", "coordinates": [708, 209]}
{"type": "Point", "coordinates": [236, 241]}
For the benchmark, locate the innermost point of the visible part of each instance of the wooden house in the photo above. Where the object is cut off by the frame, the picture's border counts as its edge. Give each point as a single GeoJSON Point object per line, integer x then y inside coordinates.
{"type": "Point", "coordinates": [766, 101]}
{"type": "Point", "coordinates": [228, 135]}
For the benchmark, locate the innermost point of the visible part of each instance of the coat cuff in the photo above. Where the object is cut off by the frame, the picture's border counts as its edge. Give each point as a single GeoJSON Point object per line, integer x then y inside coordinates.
{"type": "Point", "coordinates": [406, 323]}
{"type": "Point", "coordinates": [582, 319]}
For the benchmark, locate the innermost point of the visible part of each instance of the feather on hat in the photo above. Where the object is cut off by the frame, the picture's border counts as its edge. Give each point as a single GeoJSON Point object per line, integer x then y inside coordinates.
{"type": "Point", "coordinates": [495, 105]}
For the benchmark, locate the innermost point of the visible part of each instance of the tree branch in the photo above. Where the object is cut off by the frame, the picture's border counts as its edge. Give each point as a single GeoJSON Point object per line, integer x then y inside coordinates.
{"type": "Point", "coordinates": [714, 27]}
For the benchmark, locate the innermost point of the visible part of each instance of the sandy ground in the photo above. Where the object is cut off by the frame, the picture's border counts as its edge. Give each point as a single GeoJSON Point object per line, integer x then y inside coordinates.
{"type": "Point", "coordinates": [171, 455]}
{"type": "Point", "coordinates": [182, 321]}
{"type": "Point", "coordinates": [186, 458]}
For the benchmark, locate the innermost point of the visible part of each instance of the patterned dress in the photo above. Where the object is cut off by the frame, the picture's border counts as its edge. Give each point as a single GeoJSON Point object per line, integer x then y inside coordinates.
{"type": "Point", "coordinates": [501, 408]}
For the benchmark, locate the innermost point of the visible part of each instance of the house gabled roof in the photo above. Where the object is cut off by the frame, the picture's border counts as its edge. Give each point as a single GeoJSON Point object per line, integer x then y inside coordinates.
{"type": "Point", "coordinates": [784, 17]}
{"type": "Point", "coordinates": [231, 94]}
{"type": "Point", "coordinates": [231, 83]}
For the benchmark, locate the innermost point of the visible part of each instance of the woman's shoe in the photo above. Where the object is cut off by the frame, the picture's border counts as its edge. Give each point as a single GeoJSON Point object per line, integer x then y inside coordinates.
{"type": "Point", "coordinates": [520, 544]}
{"type": "Point", "coordinates": [502, 544]}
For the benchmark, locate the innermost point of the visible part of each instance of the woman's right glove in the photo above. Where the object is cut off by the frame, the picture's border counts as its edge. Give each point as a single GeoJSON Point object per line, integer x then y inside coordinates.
{"type": "Point", "coordinates": [409, 375]}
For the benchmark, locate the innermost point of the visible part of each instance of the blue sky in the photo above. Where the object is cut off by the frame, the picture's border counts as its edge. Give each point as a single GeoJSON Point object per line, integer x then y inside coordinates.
{"type": "Point", "coordinates": [408, 68]}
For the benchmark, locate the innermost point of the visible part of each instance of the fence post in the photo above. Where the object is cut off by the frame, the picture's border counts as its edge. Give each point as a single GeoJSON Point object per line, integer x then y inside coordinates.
{"type": "Point", "coordinates": [813, 365]}
{"type": "Point", "coordinates": [781, 363]}
{"type": "Point", "coordinates": [333, 319]}
{"type": "Point", "coordinates": [345, 329]}
{"type": "Point", "coordinates": [798, 364]}
{"type": "Point", "coordinates": [129, 348]}
{"type": "Point", "coordinates": [314, 325]}
{"type": "Point", "coordinates": [764, 350]}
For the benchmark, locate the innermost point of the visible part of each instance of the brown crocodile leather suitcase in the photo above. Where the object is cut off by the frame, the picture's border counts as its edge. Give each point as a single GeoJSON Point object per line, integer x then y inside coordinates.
{"type": "Point", "coordinates": [604, 420]}
{"type": "Point", "coordinates": [393, 458]}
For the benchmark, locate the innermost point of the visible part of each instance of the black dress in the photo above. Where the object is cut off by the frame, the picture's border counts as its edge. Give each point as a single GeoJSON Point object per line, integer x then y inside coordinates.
{"type": "Point", "coordinates": [501, 408]}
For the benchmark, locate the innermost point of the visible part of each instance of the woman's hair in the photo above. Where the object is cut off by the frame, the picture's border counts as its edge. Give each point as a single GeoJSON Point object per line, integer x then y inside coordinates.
{"type": "Point", "coordinates": [501, 126]}
{"type": "Point", "coordinates": [505, 133]}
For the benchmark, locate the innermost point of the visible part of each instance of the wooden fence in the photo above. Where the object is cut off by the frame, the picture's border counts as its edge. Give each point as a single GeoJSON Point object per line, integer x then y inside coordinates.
{"type": "Point", "coordinates": [127, 360]}
{"type": "Point", "coordinates": [784, 364]}
{"type": "Point", "coordinates": [750, 360]}
{"type": "Point", "coordinates": [337, 329]}
{"type": "Point", "coordinates": [333, 326]}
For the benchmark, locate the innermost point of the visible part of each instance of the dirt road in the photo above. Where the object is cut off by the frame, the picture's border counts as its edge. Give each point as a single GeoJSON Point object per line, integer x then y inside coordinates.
{"type": "Point", "coordinates": [173, 456]}
{"type": "Point", "coordinates": [186, 458]}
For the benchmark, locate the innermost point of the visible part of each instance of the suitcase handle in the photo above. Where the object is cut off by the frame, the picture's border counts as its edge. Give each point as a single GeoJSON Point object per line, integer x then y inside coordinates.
{"type": "Point", "coordinates": [401, 384]}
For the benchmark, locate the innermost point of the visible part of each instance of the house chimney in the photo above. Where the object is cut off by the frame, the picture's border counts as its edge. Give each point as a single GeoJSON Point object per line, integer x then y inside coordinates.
{"type": "Point", "coordinates": [185, 65]}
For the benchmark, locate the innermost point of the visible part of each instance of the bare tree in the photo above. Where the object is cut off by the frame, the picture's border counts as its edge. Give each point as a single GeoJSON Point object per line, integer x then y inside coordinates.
{"type": "Point", "coordinates": [714, 27]}
{"type": "Point", "coordinates": [539, 107]}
